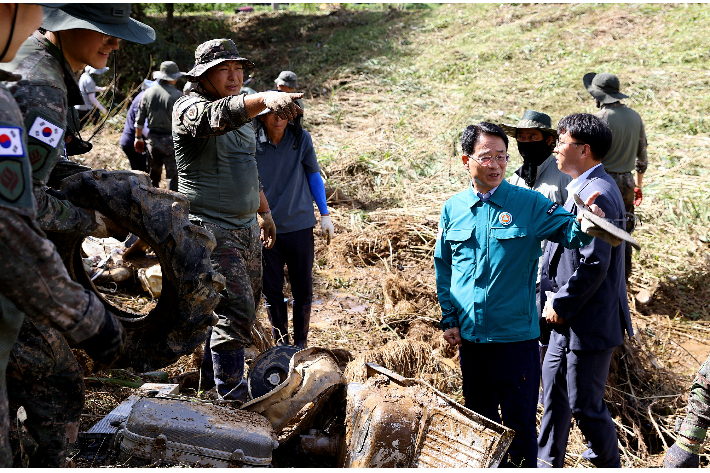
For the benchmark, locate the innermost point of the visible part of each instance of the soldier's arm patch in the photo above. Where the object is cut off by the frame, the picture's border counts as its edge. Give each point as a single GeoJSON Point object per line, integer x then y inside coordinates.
{"type": "Point", "coordinates": [11, 141]}
{"type": "Point", "coordinates": [46, 132]}
{"type": "Point", "coordinates": [38, 155]}
{"type": "Point", "coordinates": [552, 208]}
{"type": "Point", "coordinates": [12, 182]}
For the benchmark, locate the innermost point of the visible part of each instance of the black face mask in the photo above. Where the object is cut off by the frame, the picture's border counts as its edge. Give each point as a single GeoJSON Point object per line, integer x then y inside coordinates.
{"type": "Point", "coordinates": [534, 153]}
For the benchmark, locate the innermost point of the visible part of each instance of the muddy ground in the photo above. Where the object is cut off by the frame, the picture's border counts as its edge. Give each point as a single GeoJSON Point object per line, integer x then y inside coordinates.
{"type": "Point", "coordinates": [374, 284]}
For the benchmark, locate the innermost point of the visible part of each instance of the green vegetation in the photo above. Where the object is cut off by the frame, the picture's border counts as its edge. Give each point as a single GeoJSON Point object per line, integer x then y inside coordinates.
{"type": "Point", "coordinates": [389, 88]}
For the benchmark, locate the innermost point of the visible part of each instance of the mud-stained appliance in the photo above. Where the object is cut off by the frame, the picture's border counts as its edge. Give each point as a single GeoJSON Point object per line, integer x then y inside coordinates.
{"type": "Point", "coordinates": [180, 431]}
{"type": "Point", "coordinates": [397, 422]}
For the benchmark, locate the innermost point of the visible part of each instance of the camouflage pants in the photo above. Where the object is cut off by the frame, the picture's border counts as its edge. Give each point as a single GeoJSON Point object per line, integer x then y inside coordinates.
{"type": "Point", "coordinates": [237, 256]}
{"type": "Point", "coordinates": [161, 152]}
{"type": "Point", "coordinates": [44, 378]}
{"type": "Point", "coordinates": [626, 184]}
{"type": "Point", "coordinates": [697, 420]}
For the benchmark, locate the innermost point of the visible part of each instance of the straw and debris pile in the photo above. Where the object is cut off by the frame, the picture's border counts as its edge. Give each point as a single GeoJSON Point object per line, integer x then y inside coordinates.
{"type": "Point", "coordinates": [397, 243]}
{"type": "Point", "coordinates": [411, 359]}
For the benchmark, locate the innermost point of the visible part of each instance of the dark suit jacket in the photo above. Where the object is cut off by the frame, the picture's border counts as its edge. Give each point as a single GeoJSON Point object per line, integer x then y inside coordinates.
{"type": "Point", "coordinates": [589, 282]}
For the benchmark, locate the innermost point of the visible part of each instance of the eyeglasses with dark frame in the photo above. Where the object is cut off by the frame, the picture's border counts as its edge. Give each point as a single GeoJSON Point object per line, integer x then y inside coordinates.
{"type": "Point", "coordinates": [486, 160]}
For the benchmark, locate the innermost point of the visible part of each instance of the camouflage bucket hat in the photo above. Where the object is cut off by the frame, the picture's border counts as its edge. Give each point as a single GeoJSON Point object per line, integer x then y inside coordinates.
{"type": "Point", "coordinates": [212, 52]}
{"type": "Point", "coordinates": [288, 79]}
{"type": "Point", "coordinates": [169, 70]}
{"type": "Point", "coordinates": [603, 87]}
{"type": "Point", "coordinates": [531, 119]}
{"type": "Point", "coordinates": [112, 19]}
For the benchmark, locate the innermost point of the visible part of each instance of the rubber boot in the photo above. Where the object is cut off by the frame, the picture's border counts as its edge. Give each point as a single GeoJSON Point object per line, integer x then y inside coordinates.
{"type": "Point", "coordinates": [229, 374]}
{"type": "Point", "coordinates": [278, 316]}
{"type": "Point", "coordinates": [301, 322]}
{"type": "Point", "coordinates": [206, 368]}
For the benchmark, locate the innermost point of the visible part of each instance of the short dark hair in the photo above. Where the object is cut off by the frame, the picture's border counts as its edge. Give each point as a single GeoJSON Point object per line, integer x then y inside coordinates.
{"type": "Point", "coordinates": [472, 134]}
{"type": "Point", "coordinates": [588, 129]}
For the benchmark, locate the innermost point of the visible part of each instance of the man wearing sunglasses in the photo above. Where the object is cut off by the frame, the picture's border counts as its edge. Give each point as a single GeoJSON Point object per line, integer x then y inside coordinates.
{"type": "Point", "coordinates": [486, 256]}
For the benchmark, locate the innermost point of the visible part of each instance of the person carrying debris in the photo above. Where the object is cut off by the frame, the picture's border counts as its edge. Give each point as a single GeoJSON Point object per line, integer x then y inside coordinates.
{"type": "Point", "coordinates": [128, 137]}
{"type": "Point", "coordinates": [214, 148]}
{"type": "Point", "coordinates": [289, 170]}
{"type": "Point", "coordinates": [89, 110]}
{"type": "Point", "coordinates": [685, 452]}
{"type": "Point", "coordinates": [156, 106]}
{"type": "Point", "coordinates": [583, 295]}
{"type": "Point", "coordinates": [536, 139]}
{"type": "Point", "coordinates": [486, 253]}
{"type": "Point", "coordinates": [43, 376]}
{"type": "Point", "coordinates": [628, 147]}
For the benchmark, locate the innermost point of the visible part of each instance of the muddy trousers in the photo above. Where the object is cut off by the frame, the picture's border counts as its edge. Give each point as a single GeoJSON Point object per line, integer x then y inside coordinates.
{"type": "Point", "coordinates": [505, 375]}
{"type": "Point", "coordinates": [573, 384]}
{"type": "Point", "coordinates": [162, 153]}
{"type": "Point", "coordinates": [295, 250]}
{"type": "Point", "coordinates": [237, 257]}
{"type": "Point", "coordinates": [44, 378]}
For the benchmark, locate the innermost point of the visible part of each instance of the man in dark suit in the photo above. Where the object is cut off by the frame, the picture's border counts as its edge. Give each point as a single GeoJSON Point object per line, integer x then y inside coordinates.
{"type": "Point", "coordinates": [583, 296]}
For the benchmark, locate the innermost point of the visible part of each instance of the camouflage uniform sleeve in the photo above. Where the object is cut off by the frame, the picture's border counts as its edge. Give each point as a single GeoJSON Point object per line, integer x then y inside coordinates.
{"type": "Point", "coordinates": [57, 215]}
{"type": "Point", "coordinates": [697, 420]}
{"type": "Point", "coordinates": [197, 117]}
{"type": "Point", "coordinates": [641, 156]}
{"type": "Point", "coordinates": [44, 107]}
{"type": "Point", "coordinates": [35, 280]}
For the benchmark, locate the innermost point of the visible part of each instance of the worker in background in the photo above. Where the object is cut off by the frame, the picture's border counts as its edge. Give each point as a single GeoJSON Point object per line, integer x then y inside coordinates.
{"type": "Point", "coordinates": [289, 171]}
{"type": "Point", "coordinates": [156, 107]}
{"type": "Point", "coordinates": [628, 147]}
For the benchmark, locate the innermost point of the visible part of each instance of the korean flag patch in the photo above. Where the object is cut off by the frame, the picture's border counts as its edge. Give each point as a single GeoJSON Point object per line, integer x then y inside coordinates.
{"type": "Point", "coordinates": [11, 141]}
{"type": "Point", "coordinates": [47, 132]}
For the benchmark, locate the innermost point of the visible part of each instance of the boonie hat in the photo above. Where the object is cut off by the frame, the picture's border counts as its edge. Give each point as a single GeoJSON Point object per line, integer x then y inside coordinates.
{"type": "Point", "coordinates": [603, 87]}
{"type": "Point", "coordinates": [213, 52]}
{"type": "Point", "coordinates": [287, 78]}
{"type": "Point", "coordinates": [112, 19]}
{"type": "Point", "coordinates": [531, 119]}
{"type": "Point", "coordinates": [168, 70]}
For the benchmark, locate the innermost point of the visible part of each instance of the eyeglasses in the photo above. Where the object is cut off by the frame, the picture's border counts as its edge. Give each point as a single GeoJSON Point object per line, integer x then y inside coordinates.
{"type": "Point", "coordinates": [486, 160]}
{"type": "Point", "coordinates": [107, 39]}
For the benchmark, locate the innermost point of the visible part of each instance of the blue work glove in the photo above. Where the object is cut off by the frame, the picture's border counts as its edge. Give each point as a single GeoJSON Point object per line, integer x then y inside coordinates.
{"type": "Point", "coordinates": [682, 455]}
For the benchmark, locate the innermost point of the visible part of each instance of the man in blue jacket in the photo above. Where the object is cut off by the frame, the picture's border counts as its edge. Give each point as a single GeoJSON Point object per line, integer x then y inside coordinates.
{"type": "Point", "coordinates": [486, 256]}
{"type": "Point", "coordinates": [587, 305]}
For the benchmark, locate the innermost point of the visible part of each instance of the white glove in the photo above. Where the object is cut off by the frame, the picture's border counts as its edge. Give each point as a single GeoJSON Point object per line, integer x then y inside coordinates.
{"type": "Point", "coordinates": [283, 104]}
{"type": "Point", "coordinates": [327, 228]}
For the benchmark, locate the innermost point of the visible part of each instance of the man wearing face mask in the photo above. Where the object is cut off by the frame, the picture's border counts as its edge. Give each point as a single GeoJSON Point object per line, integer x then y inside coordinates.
{"type": "Point", "coordinates": [536, 139]}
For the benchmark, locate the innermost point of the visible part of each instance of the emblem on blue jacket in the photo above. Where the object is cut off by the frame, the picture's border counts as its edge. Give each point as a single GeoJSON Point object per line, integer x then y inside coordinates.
{"type": "Point", "coordinates": [505, 218]}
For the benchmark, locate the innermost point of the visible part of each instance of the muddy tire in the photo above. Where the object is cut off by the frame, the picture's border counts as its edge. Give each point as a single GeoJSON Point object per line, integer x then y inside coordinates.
{"type": "Point", "coordinates": [178, 323]}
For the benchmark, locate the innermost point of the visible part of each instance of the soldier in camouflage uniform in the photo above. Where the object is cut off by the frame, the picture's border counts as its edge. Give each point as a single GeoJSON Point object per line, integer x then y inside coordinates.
{"type": "Point", "coordinates": [33, 278]}
{"type": "Point", "coordinates": [214, 148]}
{"type": "Point", "coordinates": [43, 375]}
{"type": "Point", "coordinates": [684, 453]}
{"type": "Point", "coordinates": [628, 148]}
